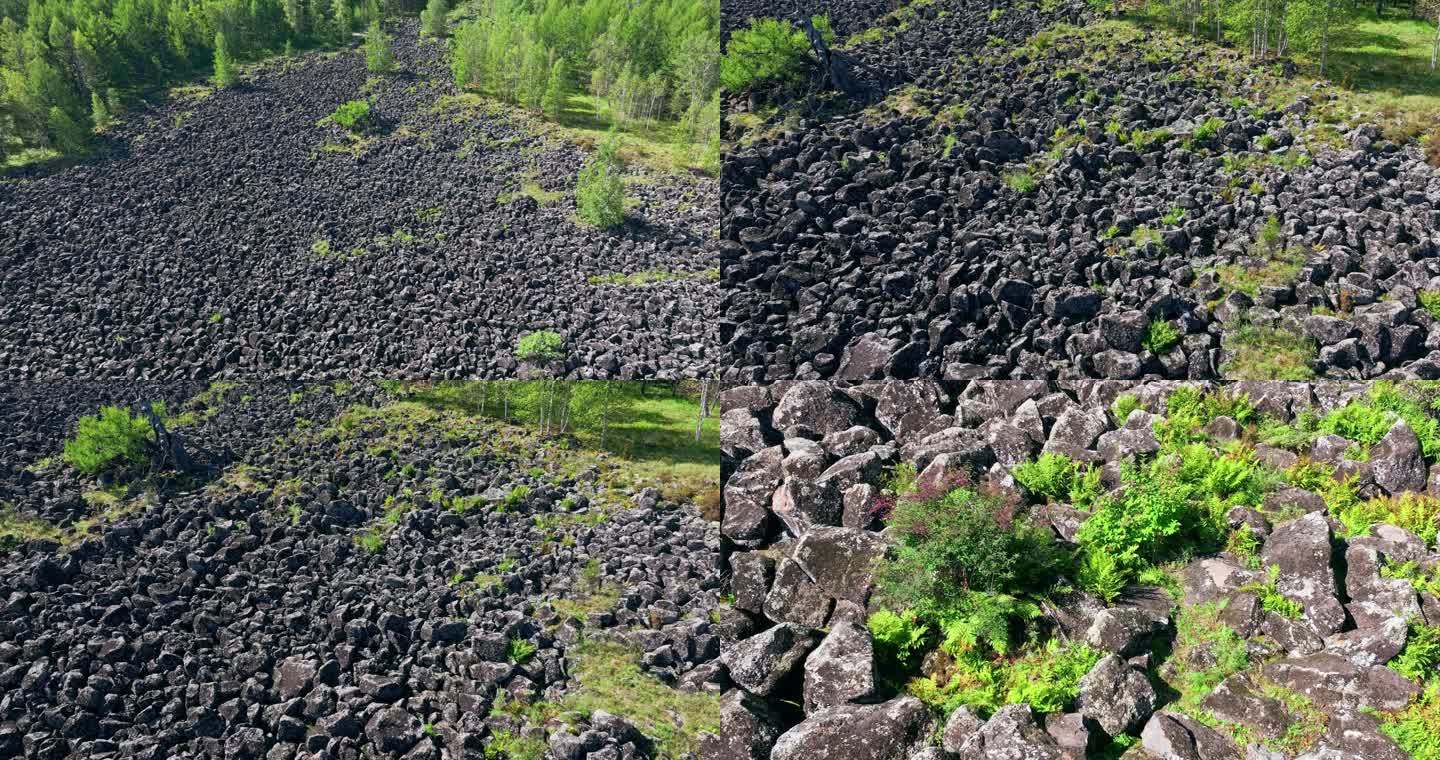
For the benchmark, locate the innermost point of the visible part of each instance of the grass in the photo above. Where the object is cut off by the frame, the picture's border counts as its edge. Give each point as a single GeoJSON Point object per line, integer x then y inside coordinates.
{"type": "Point", "coordinates": [16, 529]}
{"type": "Point", "coordinates": [1382, 67]}
{"type": "Point", "coordinates": [1021, 182]}
{"type": "Point", "coordinates": [530, 189]}
{"type": "Point", "coordinates": [1266, 353]}
{"type": "Point", "coordinates": [580, 608]}
{"type": "Point", "coordinates": [652, 276]}
{"type": "Point", "coordinates": [609, 678]}
{"type": "Point", "coordinates": [654, 445]}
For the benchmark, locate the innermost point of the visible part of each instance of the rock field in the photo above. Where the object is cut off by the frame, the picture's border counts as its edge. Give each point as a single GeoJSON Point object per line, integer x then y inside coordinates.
{"type": "Point", "coordinates": [230, 235]}
{"type": "Point", "coordinates": [1026, 206]}
{"type": "Point", "coordinates": [805, 472]}
{"type": "Point", "coordinates": [343, 577]}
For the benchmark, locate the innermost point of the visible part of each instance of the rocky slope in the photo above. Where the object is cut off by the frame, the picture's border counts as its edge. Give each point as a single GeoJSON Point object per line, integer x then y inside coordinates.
{"type": "Point", "coordinates": [344, 577]}
{"type": "Point", "coordinates": [1226, 659]}
{"type": "Point", "coordinates": [229, 235]}
{"type": "Point", "coordinates": [1027, 205]}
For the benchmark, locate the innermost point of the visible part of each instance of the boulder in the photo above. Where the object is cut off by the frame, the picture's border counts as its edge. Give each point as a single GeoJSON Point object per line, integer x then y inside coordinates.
{"type": "Point", "coordinates": [1172, 736]}
{"type": "Point", "coordinates": [841, 560]}
{"type": "Point", "coordinates": [885, 731]}
{"type": "Point", "coordinates": [1396, 463]}
{"type": "Point", "coordinates": [1116, 696]}
{"type": "Point", "coordinates": [760, 662]}
{"type": "Point", "coordinates": [813, 409]}
{"type": "Point", "coordinates": [1301, 549]}
{"type": "Point", "coordinates": [841, 669]}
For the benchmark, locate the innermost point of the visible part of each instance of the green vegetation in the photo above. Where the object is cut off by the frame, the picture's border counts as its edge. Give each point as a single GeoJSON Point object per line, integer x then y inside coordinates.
{"type": "Point", "coordinates": [1421, 655]}
{"type": "Point", "coordinates": [1046, 677]}
{"type": "Point", "coordinates": [1267, 353]}
{"type": "Point", "coordinates": [1200, 637]}
{"type": "Point", "coordinates": [1160, 336]}
{"type": "Point", "coordinates": [1381, 60]}
{"type": "Point", "coordinates": [1022, 182]}
{"type": "Point", "coordinates": [652, 276]}
{"type": "Point", "coordinates": [353, 115]}
{"type": "Point", "coordinates": [519, 651]}
{"type": "Point", "coordinates": [224, 62]}
{"type": "Point", "coordinates": [432, 19]}
{"type": "Point", "coordinates": [609, 678]}
{"type": "Point", "coordinates": [1368, 419]}
{"type": "Point", "coordinates": [66, 66]}
{"type": "Point", "coordinates": [114, 438]}
{"type": "Point", "coordinates": [769, 53]}
{"type": "Point", "coordinates": [600, 188]}
{"type": "Point", "coordinates": [543, 347]}
{"type": "Point", "coordinates": [1417, 728]}
{"type": "Point", "coordinates": [648, 69]}
{"type": "Point", "coordinates": [1124, 404]}
{"type": "Point", "coordinates": [1429, 300]}
{"type": "Point", "coordinates": [1271, 600]}
{"type": "Point", "coordinates": [1415, 512]}
{"type": "Point", "coordinates": [379, 58]}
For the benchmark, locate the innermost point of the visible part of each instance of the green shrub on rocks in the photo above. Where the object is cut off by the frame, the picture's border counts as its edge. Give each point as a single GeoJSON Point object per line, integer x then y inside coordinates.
{"type": "Point", "coordinates": [111, 439]}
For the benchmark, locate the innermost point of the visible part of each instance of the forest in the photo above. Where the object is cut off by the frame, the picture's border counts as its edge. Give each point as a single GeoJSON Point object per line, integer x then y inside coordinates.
{"type": "Point", "coordinates": [632, 64]}
{"type": "Point", "coordinates": [68, 67]}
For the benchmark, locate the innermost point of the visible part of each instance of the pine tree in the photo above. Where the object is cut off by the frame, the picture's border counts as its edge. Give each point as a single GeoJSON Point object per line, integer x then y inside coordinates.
{"type": "Point", "coordinates": [343, 20]}
{"type": "Point", "coordinates": [600, 188]}
{"type": "Point", "coordinates": [432, 21]}
{"type": "Point", "coordinates": [379, 59]}
{"type": "Point", "coordinates": [295, 17]}
{"type": "Point", "coordinates": [554, 98]}
{"type": "Point", "coordinates": [67, 135]}
{"type": "Point", "coordinates": [224, 64]}
{"type": "Point", "coordinates": [99, 112]}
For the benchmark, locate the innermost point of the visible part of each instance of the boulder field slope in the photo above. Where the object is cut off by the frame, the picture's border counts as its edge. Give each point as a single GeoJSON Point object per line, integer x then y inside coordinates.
{"type": "Point", "coordinates": [1047, 194]}
{"type": "Point", "coordinates": [344, 576]}
{"type": "Point", "coordinates": [230, 233]}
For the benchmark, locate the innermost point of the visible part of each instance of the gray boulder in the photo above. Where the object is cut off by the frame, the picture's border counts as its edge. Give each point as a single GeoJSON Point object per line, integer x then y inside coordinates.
{"type": "Point", "coordinates": [1116, 696]}
{"type": "Point", "coordinates": [1301, 549]}
{"type": "Point", "coordinates": [760, 662]}
{"type": "Point", "coordinates": [885, 731]}
{"type": "Point", "coordinates": [1396, 463]}
{"type": "Point", "coordinates": [841, 669]}
{"type": "Point", "coordinates": [1172, 736]}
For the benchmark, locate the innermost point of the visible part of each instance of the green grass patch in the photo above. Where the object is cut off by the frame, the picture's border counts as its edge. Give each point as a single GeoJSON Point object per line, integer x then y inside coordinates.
{"type": "Point", "coordinates": [609, 678]}
{"type": "Point", "coordinates": [1267, 353]}
{"type": "Point", "coordinates": [652, 276]}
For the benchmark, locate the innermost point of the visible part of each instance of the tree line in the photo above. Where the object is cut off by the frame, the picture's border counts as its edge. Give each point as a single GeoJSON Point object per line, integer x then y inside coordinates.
{"type": "Point", "coordinates": [651, 60]}
{"type": "Point", "coordinates": [66, 65]}
{"type": "Point", "coordinates": [1276, 28]}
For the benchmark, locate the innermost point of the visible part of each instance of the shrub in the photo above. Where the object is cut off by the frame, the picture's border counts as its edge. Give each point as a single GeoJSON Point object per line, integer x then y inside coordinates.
{"type": "Point", "coordinates": [379, 58]}
{"type": "Point", "coordinates": [1152, 521]}
{"type": "Point", "coordinates": [898, 638]}
{"type": "Point", "coordinates": [1047, 678]}
{"type": "Point", "coordinates": [111, 439]}
{"type": "Point", "coordinates": [1208, 129]}
{"type": "Point", "coordinates": [1049, 477]}
{"type": "Point", "coordinates": [519, 651]}
{"type": "Point", "coordinates": [67, 135]}
{"type": "Point", "coordinates": [768, 53]}
{"type": "Point", "coordinates": [432, 19]}
{"type": "Point", "coordinates": [1415, 512]}
{"type": "Point", "coordinates": [354, 115]}
{"type": "Point", "coordinates": [1367, 421]}
{"type": "Point", "coordinates": [960, 542]}
{"type": "Point", "coordinates": [1101, 574]}
{"type": "Point", "coordinates": [1160, 337]}
{"type": "Point", "coordinates": [1429, 301]}
{"type": "Point", "coordinates": [541, 347]}
{"type": "Point", "coordinates": [1021, 182]}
